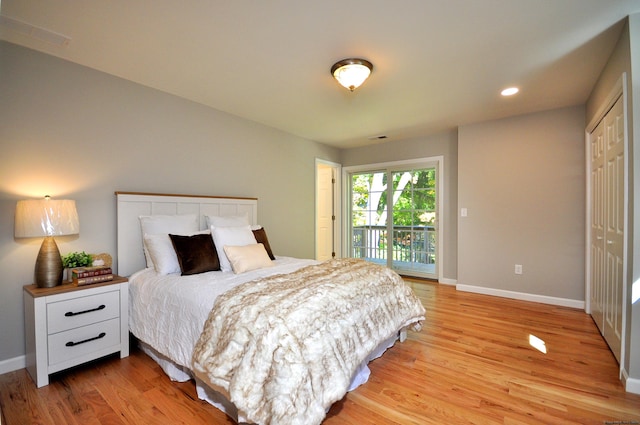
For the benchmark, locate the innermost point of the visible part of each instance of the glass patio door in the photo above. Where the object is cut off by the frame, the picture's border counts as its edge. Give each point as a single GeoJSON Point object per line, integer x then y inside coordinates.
{"type": "Point", "coordinates": [412, 222]}
{"type": "Point", "coordinates": [394, 218]}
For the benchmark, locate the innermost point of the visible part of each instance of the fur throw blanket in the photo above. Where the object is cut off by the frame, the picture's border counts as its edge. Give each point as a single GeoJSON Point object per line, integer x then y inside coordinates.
{"type": "Point", "coordinates": [284, 348]}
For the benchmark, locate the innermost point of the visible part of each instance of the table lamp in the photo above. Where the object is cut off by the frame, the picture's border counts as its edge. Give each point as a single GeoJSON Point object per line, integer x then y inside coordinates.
{"type": "Point", "coordinates": [47, 217]}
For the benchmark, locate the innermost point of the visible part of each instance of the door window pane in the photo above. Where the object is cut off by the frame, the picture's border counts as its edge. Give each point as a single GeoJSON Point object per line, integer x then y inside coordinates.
{"type": "Point", "coordinates": [368, 201]}
{"type": "Point", "coordinates": [413, 224]}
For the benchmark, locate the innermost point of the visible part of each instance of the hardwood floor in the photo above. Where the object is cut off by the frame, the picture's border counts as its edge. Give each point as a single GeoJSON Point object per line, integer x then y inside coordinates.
{"type": "Point", "coordinates": [470, 364]}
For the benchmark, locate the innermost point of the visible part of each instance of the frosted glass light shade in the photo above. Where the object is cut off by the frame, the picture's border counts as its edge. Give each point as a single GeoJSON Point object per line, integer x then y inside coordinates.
{"type": "Point", "coordinates": [351, 73]}
{"type": "Point", "coordinates": [46, 217]}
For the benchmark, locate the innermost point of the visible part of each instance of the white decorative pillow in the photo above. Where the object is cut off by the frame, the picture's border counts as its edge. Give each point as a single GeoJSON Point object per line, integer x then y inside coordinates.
{"type": "Point", "coordinates": [163, 257]}
{"type": "Point", "coordinates": [162, 253]}
{"type": "Point", "coordinates": [184, 224]}
{"type": "Point", "coordinates": [230, 236]}
{"type": "Point", "coordinates": [176, 224]}
{"type": "Point", "coordinates": [248, 257]}
{"type": "Point", "coordinates": [228, 220]}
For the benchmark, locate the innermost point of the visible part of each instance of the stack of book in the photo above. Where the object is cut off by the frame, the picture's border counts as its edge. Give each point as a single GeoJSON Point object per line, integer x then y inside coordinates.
{"type": "Point", "coordinates": [88, 275]}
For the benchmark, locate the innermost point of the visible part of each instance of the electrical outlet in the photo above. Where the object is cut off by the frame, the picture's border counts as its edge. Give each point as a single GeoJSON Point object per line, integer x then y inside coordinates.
{"type": "Point", "coordinates": [518, 269]}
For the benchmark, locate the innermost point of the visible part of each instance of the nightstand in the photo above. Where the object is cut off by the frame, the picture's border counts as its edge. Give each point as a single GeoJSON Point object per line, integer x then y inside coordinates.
{"type": "Point", "coordinates": [68, 325]}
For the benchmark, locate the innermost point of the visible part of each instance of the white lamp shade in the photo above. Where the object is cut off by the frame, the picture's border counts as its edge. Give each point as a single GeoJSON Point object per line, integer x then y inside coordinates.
{"type": "Point", "coordinates": [46, 217]}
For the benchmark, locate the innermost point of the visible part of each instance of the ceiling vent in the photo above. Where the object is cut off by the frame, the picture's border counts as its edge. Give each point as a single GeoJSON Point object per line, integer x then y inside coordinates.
{"type": "Point", "coordinates": [380, 137]}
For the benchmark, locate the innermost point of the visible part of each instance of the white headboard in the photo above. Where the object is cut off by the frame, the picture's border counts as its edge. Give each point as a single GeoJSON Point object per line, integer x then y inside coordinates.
{"type": "Point", "coordinates": [131, 206]}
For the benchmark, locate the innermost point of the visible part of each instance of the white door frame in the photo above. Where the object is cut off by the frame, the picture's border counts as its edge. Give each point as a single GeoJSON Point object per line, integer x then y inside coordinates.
{"type": "Point", "coordinates": [337, 202]}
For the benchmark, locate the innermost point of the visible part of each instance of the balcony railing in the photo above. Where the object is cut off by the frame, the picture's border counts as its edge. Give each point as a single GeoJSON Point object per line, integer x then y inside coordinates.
{"type": "Point", "coordinates": [413, 244]}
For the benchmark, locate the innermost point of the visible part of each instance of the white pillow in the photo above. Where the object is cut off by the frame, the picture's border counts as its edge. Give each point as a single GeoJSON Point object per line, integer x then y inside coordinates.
{"type": "Point", "coordinates": [228, 220]}
{"type": "Point", "coordinates": [248, 257]}
{"type": "Point", "coordinates": [163, 255]}
{"type": "Point", "coordinates": [184, 224]}
{"type": "Point", "coordinates": [230, 236]}
{"type": "Point", "coordinates": [176, 224]}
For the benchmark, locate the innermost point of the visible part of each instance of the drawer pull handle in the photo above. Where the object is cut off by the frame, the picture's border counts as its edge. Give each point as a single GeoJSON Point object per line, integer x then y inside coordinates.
{"type": "Point", "coordinates": [73, 344]}
{"type": "Point", "coordinates": [74, 313]}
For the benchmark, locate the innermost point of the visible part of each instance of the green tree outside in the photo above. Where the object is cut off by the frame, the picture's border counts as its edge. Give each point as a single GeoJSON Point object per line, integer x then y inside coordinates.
{"type": "Point", "coordinates": [414, 198]}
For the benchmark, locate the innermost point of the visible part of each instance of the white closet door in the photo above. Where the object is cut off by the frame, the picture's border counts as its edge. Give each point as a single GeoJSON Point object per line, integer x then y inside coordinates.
{"type": "Point", "coordinates": [607, 152]}
{"type": "Point", "coordinates": [597, 226]}
{"type": "Point", "coordinates": [614, 229]}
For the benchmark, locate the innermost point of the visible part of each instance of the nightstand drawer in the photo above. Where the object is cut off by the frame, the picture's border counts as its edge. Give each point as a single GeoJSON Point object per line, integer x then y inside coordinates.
{"type": "Point", "coordinates": [73, 313]}
{"type": "Point", "coordinates": [65, 346]}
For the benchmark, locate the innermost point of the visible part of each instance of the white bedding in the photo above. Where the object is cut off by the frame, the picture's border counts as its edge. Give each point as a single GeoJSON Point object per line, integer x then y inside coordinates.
{"type": "Point", "coordinates": [168, 312]}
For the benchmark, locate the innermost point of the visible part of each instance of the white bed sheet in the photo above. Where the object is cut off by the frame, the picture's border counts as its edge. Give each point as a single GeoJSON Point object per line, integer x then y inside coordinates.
{"type": "Point", "coordinates": [168, 312]}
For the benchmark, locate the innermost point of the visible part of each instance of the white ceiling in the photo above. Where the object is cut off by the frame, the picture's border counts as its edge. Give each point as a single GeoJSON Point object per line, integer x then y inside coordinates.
{"type": "Point", "coordinates": [437, 63]}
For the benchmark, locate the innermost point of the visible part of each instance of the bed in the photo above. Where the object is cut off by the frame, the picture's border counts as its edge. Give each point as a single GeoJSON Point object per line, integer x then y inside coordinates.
{"type": "Point", "coordinates": [267, 339]}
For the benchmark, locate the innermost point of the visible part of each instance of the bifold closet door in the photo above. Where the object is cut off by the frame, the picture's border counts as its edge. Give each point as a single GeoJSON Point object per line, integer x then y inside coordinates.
{"type": "Point", "coordinates": [614, 230]}
{"type": "Point", "coordinates": [597, 295]}
{"type": "Point", "coordinates": [607, 225]}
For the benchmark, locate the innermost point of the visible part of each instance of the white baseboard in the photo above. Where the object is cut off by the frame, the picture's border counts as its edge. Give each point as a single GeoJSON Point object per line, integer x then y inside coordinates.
{"type": "Point", "coordinates": [631, 385]}
{"type": "Point", "coordinates": [10, 365]}
{"type": "Point", "coordinates": [565, 302]}
{"type": "Point", "coordinates": [446, 281]}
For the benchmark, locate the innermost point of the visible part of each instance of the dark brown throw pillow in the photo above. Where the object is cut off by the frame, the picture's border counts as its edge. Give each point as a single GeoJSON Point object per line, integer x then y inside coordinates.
{"type": "Point", "coordinates": [261, 237]}
{"type": "Point", "coordinates": [196, 254]}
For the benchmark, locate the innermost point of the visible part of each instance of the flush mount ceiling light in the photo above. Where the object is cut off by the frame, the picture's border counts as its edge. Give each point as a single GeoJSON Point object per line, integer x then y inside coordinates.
{"type": "Point", "coordinates": [351, 73]}
{"type": "Point", "coordinates": [510, 91]}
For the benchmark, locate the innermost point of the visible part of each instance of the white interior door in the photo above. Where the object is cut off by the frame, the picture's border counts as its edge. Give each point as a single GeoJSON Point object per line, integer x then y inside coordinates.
{"type": "Point", "coordinates": [325, 211]}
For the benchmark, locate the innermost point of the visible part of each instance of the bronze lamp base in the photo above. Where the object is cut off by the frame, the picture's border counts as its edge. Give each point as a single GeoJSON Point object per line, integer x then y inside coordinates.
{"type": "Point", "coordinates": [48, 272]}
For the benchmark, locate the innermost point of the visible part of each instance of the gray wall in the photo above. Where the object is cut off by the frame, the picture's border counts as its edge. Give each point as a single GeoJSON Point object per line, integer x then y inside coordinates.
{"type": "Point", "coordinates": [522, 181]}
{"type": "Point", "coordinates": [445, 145]}
{"type": "Point", "coordinates": [72, 132]}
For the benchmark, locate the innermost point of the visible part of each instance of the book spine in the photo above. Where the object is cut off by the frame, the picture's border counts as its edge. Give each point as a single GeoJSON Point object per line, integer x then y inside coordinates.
{"type": "Point", "coordinates": [88, 273]}
{"type": "Point", "coordinates": [93, 279]}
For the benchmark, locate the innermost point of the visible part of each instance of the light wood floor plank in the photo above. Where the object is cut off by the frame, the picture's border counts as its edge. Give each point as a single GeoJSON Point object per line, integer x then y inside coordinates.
{"type": "Point", "coordinates": [470, 364]}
